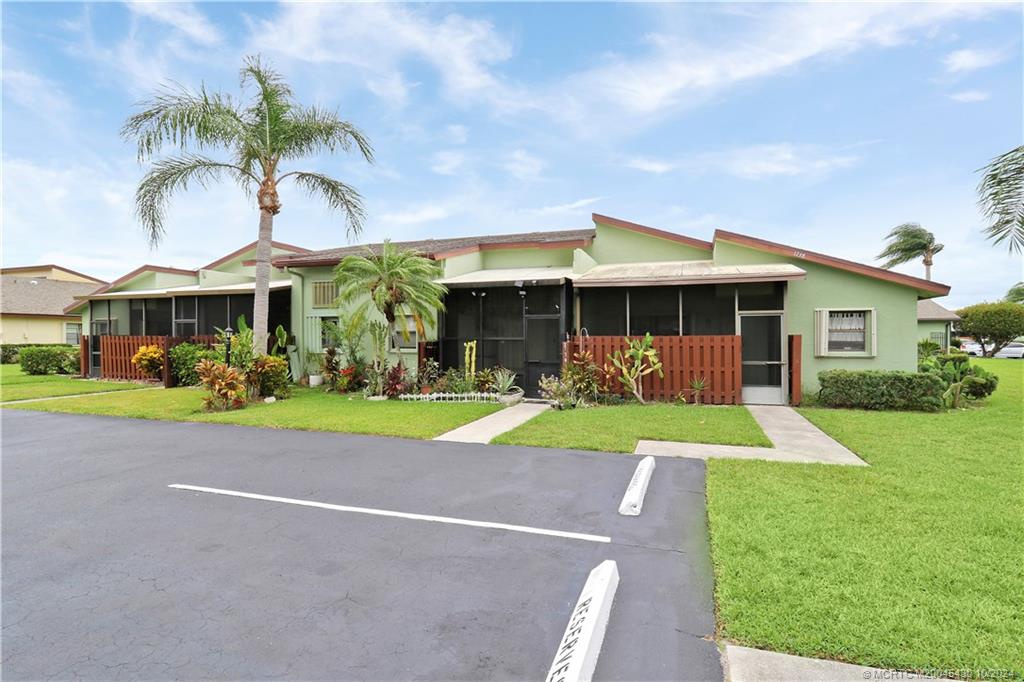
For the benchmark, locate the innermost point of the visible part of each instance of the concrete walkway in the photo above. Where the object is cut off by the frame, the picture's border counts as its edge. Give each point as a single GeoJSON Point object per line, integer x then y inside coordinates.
{"type": "Point", "coordinates": [754, 665]}
{"type": "Point", "coordinates": [794, 438]}
{"type": "Point", "coordinates": [486, 428]}
{"type": "Point", "coordinates": [77, 395]}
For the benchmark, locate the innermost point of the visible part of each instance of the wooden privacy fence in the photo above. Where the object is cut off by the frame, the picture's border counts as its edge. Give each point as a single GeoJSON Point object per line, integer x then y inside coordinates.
{"type": "Point", "coordinates": [717, 359]}
{"type": "Point", "coordinates": [116, 354]}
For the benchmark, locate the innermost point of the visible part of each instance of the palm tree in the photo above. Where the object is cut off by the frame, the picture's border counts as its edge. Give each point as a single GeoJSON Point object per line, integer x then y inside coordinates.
{"type": "Point", "coordinates": [908, 242]}
{"type": "Point", "coordinates": [258, 135]}
{"type": "Point", "coordinates": [1001, 198]}
{"type": "Point", "coordinates": [1016, 293]}
{"type": "Point", "coordinates": [396, 282]}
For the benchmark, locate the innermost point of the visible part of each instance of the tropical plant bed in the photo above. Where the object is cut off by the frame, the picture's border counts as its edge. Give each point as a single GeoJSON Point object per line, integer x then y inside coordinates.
{"type": "Point", "coordinates": [618, 428]}
{"type": "Point", "coordinates": [307, 410]}
{"type": "Point", "coordinates": [913, 562]}
{"type": "Point", "coordinates": [16, 385]}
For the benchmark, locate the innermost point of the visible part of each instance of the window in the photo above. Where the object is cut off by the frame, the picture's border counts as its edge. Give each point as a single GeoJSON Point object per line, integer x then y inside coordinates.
{"type": "Point", "coordinates": [324, 293]}
{"type": "Point", "coordinates": [845, 331]}
{"type": "Point", "coordinates": [939, 338]}
{"type": "Point", "coordinates": [325, 341]}
{"type": "Point", "coordinates": [185, 316]}
{"type": "Point", "coordinates": [603, 311]}
{"type": "Point", "coordinates": [408, 341]}
{"type": "Point", "coordinates": [709, 309]}
{"type": "Point", "coordinates": [72, 333]}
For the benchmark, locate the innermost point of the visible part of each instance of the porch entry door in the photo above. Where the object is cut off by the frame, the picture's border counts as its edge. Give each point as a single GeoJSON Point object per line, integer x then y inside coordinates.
{"type": "Point", "coordinates": [764, 364]}
{"type": "Point", "coordinates": [543, 350]}
{"type": "Point", "coordinates": [97, 328]}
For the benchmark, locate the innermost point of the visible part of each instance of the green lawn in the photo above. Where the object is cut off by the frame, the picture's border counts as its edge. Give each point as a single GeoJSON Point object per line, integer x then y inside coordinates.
{"type": "Point", "coordinates": [307, 410]}
{"type": "Point", "coordinates": [915, 562]}
{"type": "Point", "coordinates": [618, 428]}
{"type": "Point", "coordinates": [16, 385]}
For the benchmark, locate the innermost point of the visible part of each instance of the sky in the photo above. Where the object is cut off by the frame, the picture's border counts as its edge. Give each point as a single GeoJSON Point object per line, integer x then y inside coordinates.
{"type": "Point", "coordinates": [817, 125]}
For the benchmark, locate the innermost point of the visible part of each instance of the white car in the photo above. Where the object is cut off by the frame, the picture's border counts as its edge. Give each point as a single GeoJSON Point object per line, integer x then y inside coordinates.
{"type": "Point", "coordinates": [971, 348]}
{"type": "Point", "coordinates": [1013, 350]}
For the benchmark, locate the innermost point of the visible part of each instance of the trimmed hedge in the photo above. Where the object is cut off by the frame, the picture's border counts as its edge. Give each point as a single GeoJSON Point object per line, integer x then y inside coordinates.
{"type": "Point", "coordinates": [184, 357]}
{"type": "Point", "coordinates": [61, 359]}
{"type": "Point", "coordinates": [881, 390]}
{"type": "Point", "coordinates": [9, 351]}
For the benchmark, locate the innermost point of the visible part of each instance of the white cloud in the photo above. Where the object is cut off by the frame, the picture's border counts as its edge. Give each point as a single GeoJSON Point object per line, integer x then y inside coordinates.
{"type": "Point", "coordinates": [571, 207]}
{"type": "Point", "coordinates": [760, 161]}
{"type": "Point", "coordinates": [970, 96]}
{"type": "Point", "coordinates": [648, 165]}
{"type": "Point", "coordinates": [963, 61]}
{"type": "Point", "coordinates": [37, 94]}
{"type": "Point", "coordinates": [181, 15]}
{"type": "Point", "coordinates": [447, 162]}
{"type": "Point", "coordinates": [415, 215]}
{"type": "Point", "coordinates": [523, 165]}
{"type": "Point", "coordinates": [391, 87]}
{"type": "Point", "coordinates": [457, 133]}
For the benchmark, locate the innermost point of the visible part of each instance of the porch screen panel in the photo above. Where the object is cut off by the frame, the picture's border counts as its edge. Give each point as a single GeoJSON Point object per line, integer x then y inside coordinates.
{"type": "Point", "coordinates": [603, 311]}
{"type": "Point", "coordinates": [158, 317]}
{"type": "Point", "coordinates": [654, 310]}
{"type": "Point", "coordinates": [242, 304]}
{"type": "Point", "coordinates": [136, 319]}
{"type": "Point", "coordinates": [213, 314]}
{"type": "Point", "coordinates": [542, 300]}
{"type": "Point", "coordinates": [709, 309]}
{"type": "Point", "coordinates": [502, 313]}
{"type": "Point", "coordinates": [761, 296]}
{"type": "Point", "coordinates": [461, 324]}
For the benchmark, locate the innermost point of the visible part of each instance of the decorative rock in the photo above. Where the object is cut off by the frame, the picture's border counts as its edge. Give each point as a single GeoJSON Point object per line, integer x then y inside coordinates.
{"type": "Point", "coordinates": [270, 399]}
{"type": "Point", "coordinates": [577, 652]}
{"type": "Point", "coordinates": [633, 500]}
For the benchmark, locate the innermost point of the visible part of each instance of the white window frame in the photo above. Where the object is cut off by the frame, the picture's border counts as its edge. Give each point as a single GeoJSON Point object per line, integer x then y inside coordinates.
{"type": "Point", "coordinates": [75, 324]}
{"type": "Point", "coordinates": [320, 284]}
{"type": "Point", "coordinates": [410, 325]}
{"type": "Point", "coordinates": [821, 320]}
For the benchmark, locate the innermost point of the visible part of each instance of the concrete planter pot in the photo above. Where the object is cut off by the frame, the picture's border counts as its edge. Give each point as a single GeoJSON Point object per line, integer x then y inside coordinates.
{"type": "Point", "coordinates": [315, 380]}
{"type": "Point", "coordinates": [510, 399]}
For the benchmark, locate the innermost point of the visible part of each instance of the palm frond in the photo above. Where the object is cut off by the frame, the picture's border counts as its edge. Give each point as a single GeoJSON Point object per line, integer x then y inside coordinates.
{"type": "Point", "coordinates": [270, 109]}
{"type": "Point", "coordinates": [1001, 199]}
{"type": "Point", "coordinates": [179, 116]}
{"type": "Point", "coordinates": [907, 242]}
{"type": "Point", "coordinates": [311, 130]}
{"type": "Point", "coordinates": [171, 175]}
{"type": "Point", "coordinates": [336, 194]}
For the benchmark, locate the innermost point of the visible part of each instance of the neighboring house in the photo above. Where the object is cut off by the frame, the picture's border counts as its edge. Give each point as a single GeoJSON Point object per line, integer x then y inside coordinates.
{"type": "Point", "coordinates": [521, 295]}
{"type": "Point", "coordinates": [32, 302]}
{"type": "Point", "coordinates": [153, 300]}
{"type": "Point", "coordinates": [935, 323]}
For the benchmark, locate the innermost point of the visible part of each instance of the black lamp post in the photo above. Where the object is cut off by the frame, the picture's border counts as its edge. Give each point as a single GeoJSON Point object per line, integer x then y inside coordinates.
{"type": "Point", "coordinates": [228, 333]}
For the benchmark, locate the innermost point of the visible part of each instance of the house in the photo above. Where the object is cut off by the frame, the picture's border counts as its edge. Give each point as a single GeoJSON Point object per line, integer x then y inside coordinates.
{"type": "Point", "coordinates": [154, 300]}
{"type": "Point", "coordinates": [935, 323]}
{"type": "Point", "coordinates": [750, 313]}
{"type": "Point", "coordinates": [32, 302]}
{"type": "Point", "coordinates": [521, 295]}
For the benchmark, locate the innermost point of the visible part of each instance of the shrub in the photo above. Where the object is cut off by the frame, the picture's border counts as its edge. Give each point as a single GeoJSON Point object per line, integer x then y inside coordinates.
{"type": "Point", "coordinates": [270, 375]}
{"type": "Point", "coordinates": [559, 392]}
{"type": "Point", "coordinates": [881, 390]}
{"type": "Point", "coordinates": [149, 360]}
{"type": "Point", "coordinates": [927, 348]}
{"type": "Point", "coordinates": [639, 360]}
{"type": "Point", "coordinates": [961, 379]}
{"type": "Point", "coordinates": [225, 385]}
{"type": "Point", "coordinates": [992, 324]}
{"type": "Point", "coordinates": [60, 359]}
{"type": "Point", "coordinates": [396, 381]}
{"type": "Point", "coordinates": [184, 357]}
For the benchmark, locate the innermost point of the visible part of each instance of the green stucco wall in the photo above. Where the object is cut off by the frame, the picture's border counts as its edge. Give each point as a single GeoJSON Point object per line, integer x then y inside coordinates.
{"type": "Point", "coordinates": [895, 311]}
{"type": "Point", "coordinates": [525, 258]}
{"type": "Point", "coordinates": [926, 327]}
{"type": "Point", "coordinates": [617, 245]}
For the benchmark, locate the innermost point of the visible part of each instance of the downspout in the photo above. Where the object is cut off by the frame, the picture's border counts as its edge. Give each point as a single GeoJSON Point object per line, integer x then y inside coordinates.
{"type": "Point", "coordinates": [300, 341]}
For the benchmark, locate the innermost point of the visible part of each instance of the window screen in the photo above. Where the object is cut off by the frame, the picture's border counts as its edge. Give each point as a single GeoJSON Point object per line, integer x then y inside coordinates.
{"type": "Point", "coordinates": [654, 310]}
{"type": "Point", "coordinates": [709, 309]}
{"type": "Point", "coordinates": [502, 313]}
{"type": "Point", "coordinates": [939, 338]}
{"type": "Point", "coordinates": [847, 331]}
{"type": "Point", "coordinates": [542, 300]}
{"type": "Point", "coordinates": [213, 314]}
{"type": "Point", "coordinates": [603, 311]}
{"type": "Point", "coordinates": [158, 316]}
{"type": "Point", "coordinates": [242, 304]}
{"type": "Point", "coordinates": [324, 293]}
{"type": "Point", "coordinates": [407, 341]}
{"type": "Point", "coordinates": [761, 296]}
{"type": "Point", "coordinates": [72, 333]}
{"type": "Point", "coordinates": [136, 317]}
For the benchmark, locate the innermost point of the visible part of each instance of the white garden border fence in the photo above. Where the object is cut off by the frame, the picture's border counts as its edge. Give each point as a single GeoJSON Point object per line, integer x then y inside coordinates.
{"type": "Point", "coordinates": [451, 397]}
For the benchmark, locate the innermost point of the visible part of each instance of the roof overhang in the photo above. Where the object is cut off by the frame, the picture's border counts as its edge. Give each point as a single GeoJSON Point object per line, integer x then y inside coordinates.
{"type": "Point", "coordinates": [509, 276]}
{"type": "Point", "coordinates": [189, 290]}
{"type": "Point", "coordinates": [683, 273]}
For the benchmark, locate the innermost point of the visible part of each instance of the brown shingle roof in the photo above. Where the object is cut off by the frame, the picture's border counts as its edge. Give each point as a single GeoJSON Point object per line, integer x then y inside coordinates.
{"type": "Point", "coordinates": [19, 296]}
{"type": "Point", "coordinates": [443, 248]}
{"type": "Point", "coordinates": [930, 310]}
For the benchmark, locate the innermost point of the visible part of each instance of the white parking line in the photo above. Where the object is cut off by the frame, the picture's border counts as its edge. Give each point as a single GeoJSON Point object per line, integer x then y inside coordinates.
{"type": "Point", "coordinates": [396, 514]}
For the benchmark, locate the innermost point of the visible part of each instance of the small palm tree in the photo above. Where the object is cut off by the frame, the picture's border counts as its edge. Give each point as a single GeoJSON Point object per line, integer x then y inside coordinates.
{"type": "Point", "coordinates": [396, 282]}
{"type": "Point", "coordinates": [1001, 198]}
{"type": "Point", "coordinates": [908, 242]}
{"type": "Point", "coordinates": [1016, 293]}
{"type": "Point", "coordinates": [259, 137]}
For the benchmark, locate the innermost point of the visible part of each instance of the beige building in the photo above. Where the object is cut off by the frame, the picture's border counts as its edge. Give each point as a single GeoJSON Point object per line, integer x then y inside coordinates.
{"type": "Point", "coordinates": [32, 302]}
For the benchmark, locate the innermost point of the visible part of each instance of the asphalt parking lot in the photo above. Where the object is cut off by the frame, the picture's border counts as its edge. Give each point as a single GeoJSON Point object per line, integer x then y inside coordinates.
{"type": "Point", "coordinates": [108, 573]}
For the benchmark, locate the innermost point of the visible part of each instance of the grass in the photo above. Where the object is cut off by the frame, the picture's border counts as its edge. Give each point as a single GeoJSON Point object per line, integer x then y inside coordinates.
{"type": "Point", "coordinates": [16, 385]}
{"type": "Point", "coordinates": [915, 562]}
{"type": "Point", "coordinates": [618, 428]}
{"type": "Point", "coordinates": [307, 410]}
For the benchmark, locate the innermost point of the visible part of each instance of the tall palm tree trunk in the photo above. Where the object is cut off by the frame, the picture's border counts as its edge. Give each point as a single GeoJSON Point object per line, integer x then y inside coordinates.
{"type": "Point", "coordinates": [261, 299]}
{"type": "Point", "coordinates": [928, 266]}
